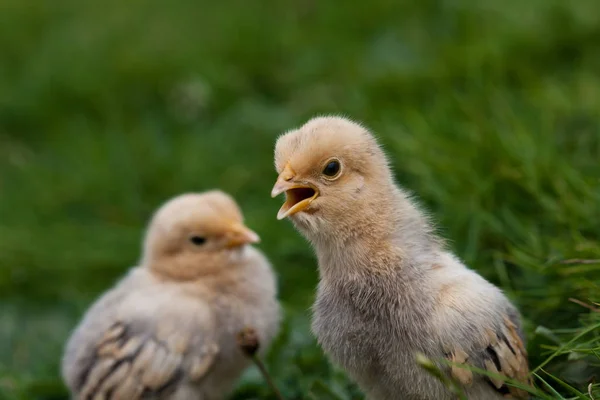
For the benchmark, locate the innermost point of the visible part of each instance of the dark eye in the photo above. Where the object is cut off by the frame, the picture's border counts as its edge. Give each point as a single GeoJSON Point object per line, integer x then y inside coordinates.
{"type": "Point", "coordinates": [198, 240]}
{"type": "Point", "coordinates": [332, 168]}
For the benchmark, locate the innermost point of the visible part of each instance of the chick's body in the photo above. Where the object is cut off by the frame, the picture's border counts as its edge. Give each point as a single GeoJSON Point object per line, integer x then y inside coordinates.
{"type": "Point", "coordinates": [388, 288]}
{"type": "Point", "coordinates": [168, 329]}
{"type": "Point", "coordinates": [374, 325]}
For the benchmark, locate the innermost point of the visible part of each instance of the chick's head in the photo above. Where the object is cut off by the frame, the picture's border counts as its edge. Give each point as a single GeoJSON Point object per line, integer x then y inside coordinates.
{"type": "Point", "coordinates": [329, 169]}
{"type": "Point", "coordinates": [196, 234]}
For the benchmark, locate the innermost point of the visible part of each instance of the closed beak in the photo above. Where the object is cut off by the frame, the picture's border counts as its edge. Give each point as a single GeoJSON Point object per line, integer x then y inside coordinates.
{"type": "Point", "coordinates": [240, 235]}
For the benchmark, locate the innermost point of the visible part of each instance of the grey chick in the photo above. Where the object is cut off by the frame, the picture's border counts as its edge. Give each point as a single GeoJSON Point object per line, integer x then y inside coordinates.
{"type": "Point", "coordinates": [388, 287]}
{"type": "Point", "coordinates": [168, 329]}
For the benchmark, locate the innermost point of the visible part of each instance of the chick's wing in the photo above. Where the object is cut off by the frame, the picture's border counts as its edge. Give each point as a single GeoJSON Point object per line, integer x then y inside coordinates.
{"type": "Point", "coordinates": [128, 363]}
{"type": "Point", "coordinates": [502, 353]}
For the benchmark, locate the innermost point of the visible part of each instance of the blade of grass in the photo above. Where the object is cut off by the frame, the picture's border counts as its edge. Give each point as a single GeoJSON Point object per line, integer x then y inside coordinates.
{"type": "Point", "coordinates": [560, 350]}
{"type": "Point", "coordinates": [565, 385]}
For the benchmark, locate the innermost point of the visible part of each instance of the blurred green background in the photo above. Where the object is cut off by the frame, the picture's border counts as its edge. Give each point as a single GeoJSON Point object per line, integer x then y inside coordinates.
{"type": "Point", "coordinates": [489, 110]}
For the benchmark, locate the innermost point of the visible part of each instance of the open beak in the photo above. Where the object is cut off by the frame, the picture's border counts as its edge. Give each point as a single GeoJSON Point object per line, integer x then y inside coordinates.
{"type": "Point", "coordinates": [240, 235]}
{"type": "Point", "coordinates": [298, 195]}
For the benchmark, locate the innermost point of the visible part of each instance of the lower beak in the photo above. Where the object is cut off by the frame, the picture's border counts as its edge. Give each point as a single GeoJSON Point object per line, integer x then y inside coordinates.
{"type": "Point", "coordinates": [298, 196]}
{"type": "Point", "coordinates": [241, 235]}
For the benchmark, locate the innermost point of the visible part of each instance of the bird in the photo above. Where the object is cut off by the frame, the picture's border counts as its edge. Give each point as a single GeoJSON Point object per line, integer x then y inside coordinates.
{"type": "Point", "coordinates": [168, 329]}
{"type": "Point", "coordinates": [389, 290]}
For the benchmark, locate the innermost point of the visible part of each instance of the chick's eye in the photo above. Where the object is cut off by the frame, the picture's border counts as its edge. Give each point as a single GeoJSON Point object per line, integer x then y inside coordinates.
{"type": "Point", "coordinates": [332, 168]}
{"type": "Point", "coordinates": [198, 240]}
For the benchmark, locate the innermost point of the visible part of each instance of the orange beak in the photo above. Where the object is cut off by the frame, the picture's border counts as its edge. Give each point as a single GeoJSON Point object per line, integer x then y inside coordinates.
{"type": "Point", "coordinates": [298, 195]}
{"type": "Point", "coordinates": [240, 235]}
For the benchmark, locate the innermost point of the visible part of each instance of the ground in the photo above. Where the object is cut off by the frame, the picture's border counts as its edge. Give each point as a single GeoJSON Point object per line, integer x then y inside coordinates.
{"type": "Point", "coordinates": [489, 111]}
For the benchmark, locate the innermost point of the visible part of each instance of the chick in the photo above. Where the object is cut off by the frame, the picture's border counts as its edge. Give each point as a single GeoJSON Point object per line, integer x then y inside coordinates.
{"type": "Point", "coordinates": [168, 329]}
{"type": "Point", "coordinates": [388, 287]}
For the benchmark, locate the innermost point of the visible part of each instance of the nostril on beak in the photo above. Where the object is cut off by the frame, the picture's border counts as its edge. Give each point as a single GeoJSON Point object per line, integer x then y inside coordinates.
{"type": "Point", "coordinates": [288, 173]}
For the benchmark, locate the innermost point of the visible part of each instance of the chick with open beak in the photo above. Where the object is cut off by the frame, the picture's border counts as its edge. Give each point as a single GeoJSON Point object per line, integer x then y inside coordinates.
{"type": "Point", "coordinates": [388, 287]}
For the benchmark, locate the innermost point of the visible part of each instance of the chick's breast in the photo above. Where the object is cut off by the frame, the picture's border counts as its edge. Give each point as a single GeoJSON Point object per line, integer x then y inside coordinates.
{"type": "Point", "coordinates": [244, 297]}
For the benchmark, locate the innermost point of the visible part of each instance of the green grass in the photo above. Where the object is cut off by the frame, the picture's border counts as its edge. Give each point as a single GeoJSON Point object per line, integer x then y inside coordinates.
{"type": "Point", "coordinates": [489, 110]}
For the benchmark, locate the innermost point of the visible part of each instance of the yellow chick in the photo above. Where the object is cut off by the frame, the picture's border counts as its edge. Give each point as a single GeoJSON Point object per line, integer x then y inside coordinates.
{"type": "Point", "coordinates": [168, 329]}
{"type": "Point", "coordinates": [388, 287]}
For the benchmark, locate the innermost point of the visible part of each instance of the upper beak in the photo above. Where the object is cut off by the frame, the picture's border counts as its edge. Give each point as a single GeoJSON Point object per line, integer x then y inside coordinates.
{"type": "Point", "coordinates": [298, 195]}
{"type": "Point", "coordinates": [284, 181]}
{"type": "Point", "coordinates": [240, 235]}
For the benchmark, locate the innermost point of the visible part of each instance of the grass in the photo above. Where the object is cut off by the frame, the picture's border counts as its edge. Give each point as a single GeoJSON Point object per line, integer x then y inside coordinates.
{"type": "Point", "coordinates": [490, 113]}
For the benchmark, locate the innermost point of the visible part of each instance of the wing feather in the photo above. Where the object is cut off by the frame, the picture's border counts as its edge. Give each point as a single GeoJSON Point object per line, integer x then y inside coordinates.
{"type": "Point", "coordinates": [134, 365]}
{"type": "Point", "coordinates": [504, 354]}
